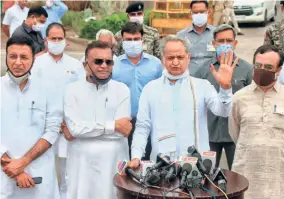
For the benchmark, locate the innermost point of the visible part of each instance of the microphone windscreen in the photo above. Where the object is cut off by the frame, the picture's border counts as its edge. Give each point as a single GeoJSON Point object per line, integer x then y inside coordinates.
{"type": "Point", "coordinates": [207, 164]}
{"type": "Point", "coordinates": [186, 167]}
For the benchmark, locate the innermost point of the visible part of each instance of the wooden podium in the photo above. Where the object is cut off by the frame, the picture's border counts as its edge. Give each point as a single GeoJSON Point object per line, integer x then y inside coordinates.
{"type": "Point", "coordinates": [129, 189]}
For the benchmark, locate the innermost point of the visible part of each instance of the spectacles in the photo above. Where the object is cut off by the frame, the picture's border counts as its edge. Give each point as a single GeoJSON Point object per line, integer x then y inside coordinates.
{"type": "Point", "coordinates": [101, 61]}
{"type": "Point", "coordinates": [133, 14]}
{"type": "Point", "coordinates": [266, 66]}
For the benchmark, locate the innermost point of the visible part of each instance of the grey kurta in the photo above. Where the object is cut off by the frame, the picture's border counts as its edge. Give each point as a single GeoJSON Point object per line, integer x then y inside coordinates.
{"type": "Point", "coordinates": [256, 125]}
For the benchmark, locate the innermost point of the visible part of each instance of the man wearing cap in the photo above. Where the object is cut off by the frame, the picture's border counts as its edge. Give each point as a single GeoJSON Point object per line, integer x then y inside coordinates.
{"type": "Point", "coordinates": [151, 37]}
{"type": "Point", "coordinates": [275, 36]}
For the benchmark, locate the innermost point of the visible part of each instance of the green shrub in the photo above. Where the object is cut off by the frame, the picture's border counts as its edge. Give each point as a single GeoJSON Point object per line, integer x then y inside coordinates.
{"type": "Point", "coordinates": [112, 23]}
{"type": "Point", "coordinates": [74, 20]}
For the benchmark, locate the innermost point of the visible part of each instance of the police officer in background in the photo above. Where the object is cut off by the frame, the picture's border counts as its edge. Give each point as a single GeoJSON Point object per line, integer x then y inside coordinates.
{"type": "Point", "coordinates": [274, 35]}
{"type": "Point", "coordinates": [230, 14]}
{"type": "Point", "coordinates": [151, 37]}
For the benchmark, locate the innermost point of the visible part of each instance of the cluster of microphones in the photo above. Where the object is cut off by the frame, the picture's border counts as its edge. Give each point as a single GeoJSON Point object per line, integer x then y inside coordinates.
{"type": "Point", "coordinates": [192, 171]}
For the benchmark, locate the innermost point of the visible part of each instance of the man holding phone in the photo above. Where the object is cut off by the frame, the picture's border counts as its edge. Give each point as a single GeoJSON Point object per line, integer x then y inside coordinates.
{"type": "Point", "coordinates": [31, 114]}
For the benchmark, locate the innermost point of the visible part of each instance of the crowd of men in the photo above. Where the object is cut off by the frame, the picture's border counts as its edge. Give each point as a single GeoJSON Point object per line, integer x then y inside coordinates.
{"type": "Point", "coordinates": [133, 96]}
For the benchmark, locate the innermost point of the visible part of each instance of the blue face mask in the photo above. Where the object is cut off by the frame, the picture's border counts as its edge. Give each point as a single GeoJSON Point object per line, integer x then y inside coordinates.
{"type": "Point", "coordinates": [224, 48]}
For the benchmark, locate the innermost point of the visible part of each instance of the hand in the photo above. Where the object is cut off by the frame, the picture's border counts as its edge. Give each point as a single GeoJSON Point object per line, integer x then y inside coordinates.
{"type": "Point", "coordinates": [134, 163]}
{"type": "Point", "coordinates": [15, 166]}
{"type": "Point", "coordinates": [66, 132]}
{"type": "Point", "coordinates": [4, 156]}
{"type": "Point", "coordinates": [226, 69]}
{"type": "Point", "coordinates": [24, 180]}
{"type": "Point", "coordinates": [123, 126]}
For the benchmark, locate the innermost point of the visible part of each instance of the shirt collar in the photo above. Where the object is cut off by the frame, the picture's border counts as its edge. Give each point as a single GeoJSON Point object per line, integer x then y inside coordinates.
{"type": "Point", "coordinates": [144, 56]}
{"type": "Point", "coordinates": [50, 57]}
{"type": "Point", "coordinates": [191, 28]}
{"type": "Point", "coordinates": [27, 28]}
{"type": "Point", "coordinates": [276, 86]}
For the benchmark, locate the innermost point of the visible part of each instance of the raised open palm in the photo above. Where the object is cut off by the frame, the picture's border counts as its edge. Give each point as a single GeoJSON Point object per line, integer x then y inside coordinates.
{"type": "Point", "coordinates": [225, 72]}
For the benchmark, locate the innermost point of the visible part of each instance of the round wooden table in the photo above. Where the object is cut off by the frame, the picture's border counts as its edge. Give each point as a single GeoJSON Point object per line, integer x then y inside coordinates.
{"type": "Point", "coordinates": [129, 189]}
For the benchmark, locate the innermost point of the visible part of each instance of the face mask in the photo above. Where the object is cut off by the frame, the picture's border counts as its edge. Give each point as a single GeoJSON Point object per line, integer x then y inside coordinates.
{"type": "Point", "coordinates": [38, 27]}
{"type": "Point", "coordinates": [137, 19]}
{"type": "Point", "coordinates": [132, 48]}
{"type": "Point", "coordinates": [224, 48]}
{"type": "Point", "coordinates": [18, 80]}
{"type": "Point", "coordinates": [199, 19]}
{"type": "Point", "coordinates": [263, 77]}
{"type": "Point", "coordinates": [49, 3]}
{"type": "Point", "coordinates": [97, 80]}
{"type": "Point", "coordinates": [175, 77]}
{"type": "Point", "coordinates": [56, 48]}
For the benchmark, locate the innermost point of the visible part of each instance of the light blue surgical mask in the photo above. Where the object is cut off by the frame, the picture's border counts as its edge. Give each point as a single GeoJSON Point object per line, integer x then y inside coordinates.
{"type": "Point", "coordinates": [132, 48]}
{"type": "Point", "coordinates": [224, 48]}
{"type": "Point", "coordinates": [199, 19]}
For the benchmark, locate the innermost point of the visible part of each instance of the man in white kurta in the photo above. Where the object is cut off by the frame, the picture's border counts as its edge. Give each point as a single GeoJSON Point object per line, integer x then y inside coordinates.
{"type": "Point", "coordinates": [31, 114]}
{"type": "Point", "coordinates": [96, 112]}
{"type": "Point", "coordinates": [172, 109]}
{"type": "Point", "coordinates": [61, 69]}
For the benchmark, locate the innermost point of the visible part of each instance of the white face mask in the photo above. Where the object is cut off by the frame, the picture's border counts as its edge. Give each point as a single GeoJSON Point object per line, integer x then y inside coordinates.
{"type": "Point", "coordinates": [38, 27]}
{"type": "Point", "coordinates": [56, 48]}
{"type": "Point", "coordinates": [18, 80]}
{"type": "Point", "coordinates": [199, 19]}
{"type": "Point", "coordinates": [49, 3]}
{"type": "Point", "coordinates": [137, 19]}
{"type": "Point", "coordinates": [132, 48]}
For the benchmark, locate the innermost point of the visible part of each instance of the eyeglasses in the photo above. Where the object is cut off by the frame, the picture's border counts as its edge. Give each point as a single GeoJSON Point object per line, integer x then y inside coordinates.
{"type": "Point", "coordinates": [101, 61]}
{"type": "Point", "coordinates": [266, 66]}
{"type": "Point", "coordinates": [133, 14]}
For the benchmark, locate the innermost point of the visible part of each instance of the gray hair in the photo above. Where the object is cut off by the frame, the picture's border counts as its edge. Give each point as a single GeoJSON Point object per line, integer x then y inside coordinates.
{"type": "Point", "coordinates": [222, 28]}
{"type": "Point", "coordinates": [105, 32]}
{"type": "Point", "coordinates": [176, 38]}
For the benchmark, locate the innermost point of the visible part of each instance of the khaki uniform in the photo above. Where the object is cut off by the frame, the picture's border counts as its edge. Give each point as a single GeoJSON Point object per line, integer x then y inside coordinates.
{"type": "Point", "coordinates": [275, 35]}
{"type": "Point", "coordinates": [151, 42]}
{"type": "Point", "coordinates": [218, 12]}
{"type": "Point", "coordinates": [229, 13]}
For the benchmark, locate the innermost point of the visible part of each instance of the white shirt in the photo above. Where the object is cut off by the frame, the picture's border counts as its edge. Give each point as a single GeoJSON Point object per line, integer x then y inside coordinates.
{"type": "Point", "coordinates": [93, 155]}
{"type": "Point", "coordinates": [63, 72]}
{"type": "Point", "coordinates": [14, 17]}
{"type": "Point", "coordinates": [281, 76]}
{"type": "Point", "coordinates": [27, 116]}
{"type": "Point", "coordinates": [166, 112]}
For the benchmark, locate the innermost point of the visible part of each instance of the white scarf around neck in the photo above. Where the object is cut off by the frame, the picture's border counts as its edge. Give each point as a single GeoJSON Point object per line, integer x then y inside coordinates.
{"type": "Point", "coordinates": [175, 77]}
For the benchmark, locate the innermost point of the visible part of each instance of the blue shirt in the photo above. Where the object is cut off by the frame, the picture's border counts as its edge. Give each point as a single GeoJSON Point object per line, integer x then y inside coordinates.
{"type": "Point", "coordinates": [136, 76]}
{"type": "Point", "coordinates": [55, 13]}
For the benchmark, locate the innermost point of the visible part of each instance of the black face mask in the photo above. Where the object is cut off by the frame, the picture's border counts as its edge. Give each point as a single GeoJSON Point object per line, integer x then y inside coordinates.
{"type": "Point", "coordinates": [97, 80]}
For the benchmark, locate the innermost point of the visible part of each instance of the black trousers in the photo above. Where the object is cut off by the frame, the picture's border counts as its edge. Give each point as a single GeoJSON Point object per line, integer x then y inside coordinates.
{"type": "Point", "coordinates": [229, 149]}
{"type": "Point", "coordinates": [148, 146]}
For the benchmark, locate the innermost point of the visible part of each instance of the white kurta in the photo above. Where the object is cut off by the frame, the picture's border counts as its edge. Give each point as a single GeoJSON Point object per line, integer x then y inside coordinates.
{"type": "Point", "coordinates": [90, 114]}
{"type": "Point", "coordinates": [63, 72]}
{"type": "Point", "coordinates": [166, 113]}
{"type": "Point", "coordinates": [27, 116]}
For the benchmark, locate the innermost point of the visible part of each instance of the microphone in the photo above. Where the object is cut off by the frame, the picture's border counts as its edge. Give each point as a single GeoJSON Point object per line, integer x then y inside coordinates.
{"type": "Point", "coordinates": [194, 153]}
{"type": "Point", "coordinates": [162, 160]}
{"type": "Point", "coordinates": [130, 173]}
{"type": "Point", "coordinates": [173, 172]}
{"type": "Point", "coordinates": [186, 169]}
{"type": "Point", "coordinates": [220, 177]}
